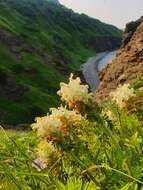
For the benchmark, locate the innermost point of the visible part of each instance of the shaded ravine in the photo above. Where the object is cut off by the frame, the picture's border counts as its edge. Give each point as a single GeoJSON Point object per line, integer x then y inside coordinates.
{"type": "Point", "coordinates": [91, 67]}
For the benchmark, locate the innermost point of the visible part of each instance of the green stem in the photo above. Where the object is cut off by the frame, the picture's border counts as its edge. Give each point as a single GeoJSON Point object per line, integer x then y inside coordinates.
{"type": "Point", "coordinates": [115, 170]}
{"type": "Point", "coordinates": [128, 176]}
{"type": "Point", "coordinates": [88, 173]}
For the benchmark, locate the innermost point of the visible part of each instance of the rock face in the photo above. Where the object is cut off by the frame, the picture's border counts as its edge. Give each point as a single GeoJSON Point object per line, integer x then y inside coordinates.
{"type": "Point", "coordinates": [128, 65]}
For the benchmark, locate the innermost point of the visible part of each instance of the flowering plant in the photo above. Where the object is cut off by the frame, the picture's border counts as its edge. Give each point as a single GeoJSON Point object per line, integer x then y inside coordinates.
{"type": "Point", "coordinates": [56, 125]}
{"type": "Point", "coordinates": [74, 93]}
{"type": "Point", "coordinates": [101, 147]}
{"type": "Point", "coordinates": [55, 128]}
{"type": "Point", "coordinates": [122, 94]}
{"type": "Point", "coordinates": [83, 133]}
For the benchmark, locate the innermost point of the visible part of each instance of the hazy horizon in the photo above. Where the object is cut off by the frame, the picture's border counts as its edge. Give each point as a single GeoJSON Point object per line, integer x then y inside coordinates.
{"type": "Point", "coordinates": [113, 12]}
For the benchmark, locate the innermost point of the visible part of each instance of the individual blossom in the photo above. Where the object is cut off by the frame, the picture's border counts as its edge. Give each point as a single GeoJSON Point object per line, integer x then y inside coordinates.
{"type": "Point", "coordinates": [38, 164]}
{"type": "Point", "coordinates": [74, 92]}
{"type": "Point", "coordinates": [122, 94]}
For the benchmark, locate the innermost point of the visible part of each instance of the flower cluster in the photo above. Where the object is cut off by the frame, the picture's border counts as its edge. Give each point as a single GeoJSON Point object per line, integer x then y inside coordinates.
{"type": "Point", "coordinates": [122, 94]}
{"type": "Point", "coordinates": [61, 123]}
{"type": "Point", "coordinates": [74, 92]}
{"type": "Point", "coordinates": [52, 129]}
{"type": "Point", "coordinates": [56, 126]}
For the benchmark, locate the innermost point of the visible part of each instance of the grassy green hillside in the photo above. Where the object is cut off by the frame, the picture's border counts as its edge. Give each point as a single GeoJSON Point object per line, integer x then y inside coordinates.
{"type": "Point", "coordinates": [40, 43]}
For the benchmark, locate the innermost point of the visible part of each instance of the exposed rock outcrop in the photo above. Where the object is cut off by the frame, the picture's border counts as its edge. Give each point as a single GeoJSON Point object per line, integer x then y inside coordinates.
{"type": "Point", "coordinates": [129, 31]}
{"type": "Point", "coordinates": [128, 65]}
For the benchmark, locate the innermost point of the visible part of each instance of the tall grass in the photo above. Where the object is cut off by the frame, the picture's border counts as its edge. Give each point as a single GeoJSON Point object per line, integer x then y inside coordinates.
{"type": "Point", "coordinates": [104, 153]}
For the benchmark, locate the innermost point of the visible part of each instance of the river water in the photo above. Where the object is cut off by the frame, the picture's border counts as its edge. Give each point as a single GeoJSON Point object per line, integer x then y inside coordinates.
{"type": "Point", "coordinates": [93, 65]}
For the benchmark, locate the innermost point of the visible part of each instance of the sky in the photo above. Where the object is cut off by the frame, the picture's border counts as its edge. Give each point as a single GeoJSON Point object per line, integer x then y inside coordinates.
{"type": "Point", "coordinates": [116, 12]}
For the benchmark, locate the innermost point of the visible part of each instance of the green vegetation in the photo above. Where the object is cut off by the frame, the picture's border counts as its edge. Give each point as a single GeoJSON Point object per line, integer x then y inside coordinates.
{"type": "Point", "coordinates": [102, 151]}
{"type": "Point", "coordinates": [37, 81]}
{"type": "Point", "coordinates": [40, 43]}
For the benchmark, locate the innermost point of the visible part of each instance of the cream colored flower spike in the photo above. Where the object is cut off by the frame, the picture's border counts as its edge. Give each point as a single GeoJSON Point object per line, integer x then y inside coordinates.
{"type": "Point", "coordinates": [122, 94]}
{"type": "Point", "coordinates": [74, 92]}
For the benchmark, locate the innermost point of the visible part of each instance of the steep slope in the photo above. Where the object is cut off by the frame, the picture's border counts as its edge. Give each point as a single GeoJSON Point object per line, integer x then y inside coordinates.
{"type": "Point", "coordinates": [40, 43]}
{"type": "Point", "coordinates": [128, 65]}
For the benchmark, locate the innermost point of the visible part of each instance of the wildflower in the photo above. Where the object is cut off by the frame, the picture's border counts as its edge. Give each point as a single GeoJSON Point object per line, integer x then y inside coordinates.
{"type": "Point", "coordinates": [47, 153]}
{"type": "Point", "coordinates": [67, 117]}
{"type": "Point", "coordinates": [108, 113]}
{"type": "Point", "coordinates": [47, 126]}
{"type": "Point", "coordinates": [38, 165]}
{"type": "Point", "coordinates": [55, 127]}
{"type": "Point", "coordinates": [122, 94]}
{"type": "Point", "coordinates": [74, 92]}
